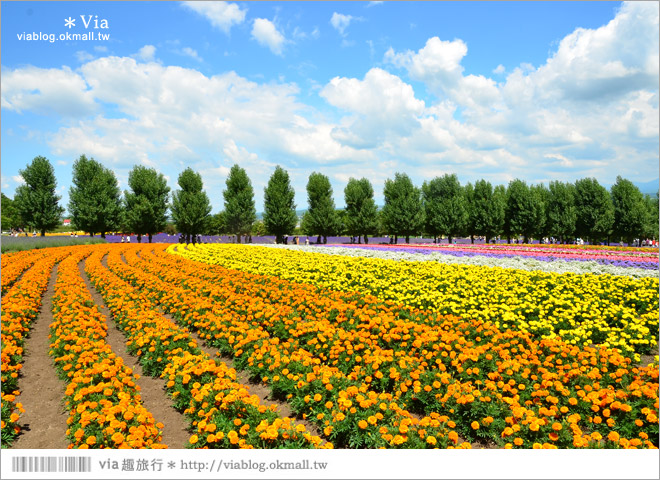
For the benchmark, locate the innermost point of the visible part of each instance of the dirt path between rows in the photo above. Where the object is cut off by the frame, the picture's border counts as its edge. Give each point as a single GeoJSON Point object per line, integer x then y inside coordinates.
{"type": "Point", "coordinates": [154, 397]}
{"type": "Point", "coordinates": [42, 392]}
{"type": "Point", "coordinates": [258, 389]}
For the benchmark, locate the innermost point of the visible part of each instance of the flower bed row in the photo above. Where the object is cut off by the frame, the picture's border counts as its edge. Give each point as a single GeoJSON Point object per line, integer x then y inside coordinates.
{"type": "Point", "coordinates": [222, 412]}
{"type": "Point", "coordinates": [14, 264]}
{"type": "Point", "coordinates": [496, 383]}
{"type": "Point", "coordinates": [488, 260]}
{"type": "Point", "coordinates": [619, 312]}
{"type": "Point", "coordinates": [349, 411]}
{"type": "Point", "coordinates": [20, 307]}
{"type": "Point", "coordinates": [104, 403]}
{"type": "Point", "coordinates": [647, 261]}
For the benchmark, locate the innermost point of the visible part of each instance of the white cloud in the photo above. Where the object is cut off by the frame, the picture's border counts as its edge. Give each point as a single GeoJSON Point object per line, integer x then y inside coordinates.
{"type": "Point", "coordinates": [101, 48]}
{"type": "Point", "coordinates": [340, 22]}
{"type": "Point", "coordinates": [192, 53]}
{"type": "Point", "coordinates": [499, 69]}
{"type": "Point", "coordinates": [18, 179]}
{"type": "Point", "coordinates": [83, 56]}
{"type": "Point", "coordinates": [147, 53]}
{"type": "Point", "coordinates": [46, 91]}
{"type": "Point", "coordinates": [265, 32]}
{"type": "Point", "coordinates": [62, 162]}
{"type": "Point", "coordinates": [222, 15]}
{"type": "Point", "coordinates": [373, 4]}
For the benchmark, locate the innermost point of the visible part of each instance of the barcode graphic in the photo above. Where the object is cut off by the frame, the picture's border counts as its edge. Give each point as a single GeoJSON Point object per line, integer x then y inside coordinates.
{"type": "Point", "coordinates": [51, 464]}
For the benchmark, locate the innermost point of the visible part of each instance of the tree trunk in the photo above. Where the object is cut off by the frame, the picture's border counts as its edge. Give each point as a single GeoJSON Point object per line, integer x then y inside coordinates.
{"type": "Point", "coordinates": [238, 238]}
{"type": "Point", "coordinates": [91, 234]}
{"type": "Point", "coordinates": [325, 239]}
{"type": "Point", "coordinates": [150, 238]}
{"type": "Point", "coordinates": [43, 233]}
{"type": "Point", "coordinates": [508, 239]}
{"type": "Point", "coordinates": [449, 239]}
{"type": "Point", "coordinates": [102, 234]}
{"type": "Point", "coordinates": [366, 239]}
{"type": "Point", "coordinates": [487, 239]}
{"type": "Point", "coordinates": [318, 239]}
{"type": "Point", "coordinates": [407, 238]}
{"type": "Point", "coordinates": [139, 238]}
{"type": "Point", "coordinates": [525, 239]}
{"type": "Point", "coordinates": [472, 239]}
{"type": "Point", "coordinates": [396, 239]}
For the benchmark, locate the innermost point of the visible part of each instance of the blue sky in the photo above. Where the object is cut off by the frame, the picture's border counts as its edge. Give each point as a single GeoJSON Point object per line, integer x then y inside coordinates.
{"type": "Point", "coordinates": [497, 90]}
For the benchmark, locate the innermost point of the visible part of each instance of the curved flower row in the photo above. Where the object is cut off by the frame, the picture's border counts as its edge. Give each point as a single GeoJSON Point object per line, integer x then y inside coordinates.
{"type": "Point", "coordinates": [221, 411]}
{"type": "Point", "coordinates": [14, 264]}
{"type": "Point", "coordinates": [618, 264]}
{"type": "Point", "coordinates": [497, 383]}
{"type": "Point", "coordinates": [481, 260]}
{"type": "Point", "coordinates": [105, 406]}
{"type": "Point", "coordinates": [349, 411]}
{"type": "Point", "coordinates": [20, 307]}
{"type": "Point", "coordinates": [617, 312]}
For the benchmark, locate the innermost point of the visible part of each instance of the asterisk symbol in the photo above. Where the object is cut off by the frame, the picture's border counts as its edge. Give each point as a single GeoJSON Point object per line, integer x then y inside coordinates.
{"type": "Point", "coordinates": [69, 22]}
{"type": "Point", "coordinates": [171, 465]}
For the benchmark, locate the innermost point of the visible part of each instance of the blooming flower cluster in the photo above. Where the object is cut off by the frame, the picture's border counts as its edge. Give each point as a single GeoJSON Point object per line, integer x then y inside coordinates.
{"type": "Point", "coordinates": [612, 311]}
{"type": "Point", "coordinates": [550, 264]}
{"type": "Point", "coordinates": [221, 411]}
{"type": "Point", "coordinates": [105, 408]}
{"type": "Point", "coordinates": [20, 306]}
{"type": "Point", "coordinates": [487, 382]}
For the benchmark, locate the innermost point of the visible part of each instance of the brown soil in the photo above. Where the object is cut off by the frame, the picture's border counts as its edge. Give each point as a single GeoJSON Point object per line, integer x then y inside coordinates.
{"type": "Point", "coordinates": [42, 392]}
{"type": "Point", "coordinates": [152, 390]}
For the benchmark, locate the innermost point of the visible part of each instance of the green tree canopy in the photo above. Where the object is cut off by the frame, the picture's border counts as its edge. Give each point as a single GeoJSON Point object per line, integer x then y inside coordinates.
{"type": "Point", "coordinates": [445, 206]}
{"type": "Point", "coordinates": [487, 210]}
{"type": "Point", "coordinates": [35, 201]}
{"type": "Point", "coordinates": [190, 205]}
{"type": "Point", "coordinates": [541, 198]}
{"type": "Point", "coordinates": [594, 210]}
{"type": "Point", "coordinates": [94, 198]}
{"type": "Point", "coordinates": [522, 212]}
{"type": "Point", "coordinates": [630, 210]}
{"type": "Point", "coordinates": [651, 229]}
{"type": "Point", "coordinates": [10, 216]}
{"type": "Point", "coordinates": [240, 212]}
{"type": "Point", "coordinates": [146, 202]}
{"type": "Point", "coordinates": [561, 213]}
{"type": "Point", "coordinates": [279, 210]}
{"type": "Point", "coordinates": [323, 218]}
{"type": "Point", "coordinates": [361, 214]}
{"type": "Point", "coordinates": [402, 213]}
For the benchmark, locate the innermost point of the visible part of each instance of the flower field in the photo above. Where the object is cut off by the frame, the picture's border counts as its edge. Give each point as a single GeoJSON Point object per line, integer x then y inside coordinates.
{"type": "Point", "coordinates": [367, 352]}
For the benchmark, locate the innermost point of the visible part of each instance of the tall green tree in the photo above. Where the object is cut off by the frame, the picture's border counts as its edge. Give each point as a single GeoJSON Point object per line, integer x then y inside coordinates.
{"type": "Point", "coordinates": [279, 209]}
{"type": "Point", "coordinates": [522, 212]}
{"type": "Point", "coordinates": [651, 229]}
{"type": "Point", "coordinates": [190, 205]}
{"type": "Point", "coordinates": [323, 218]}
{"type": "Point", "coordinates": [35, 201]}
{"type": "Point", "coordinates": [361, 214]}
{"type": "Point", "coordinates": [630, 210]}
{"type": "Point", "coordinates": [146, 202]}
{"type": "Point", "coordinates": [541, 197]}
{"type": "Point", "coordinates": [487, 210]}
{"type": "Point", "coordinates": [10, 216]}
{"type": "Point", "coordinates": [594, 209]}
{"type": "Point", "coordinates": [561, 213]}
{"type": "Point", "coordinates": [94, 198]}
{"type": "Point", "coordinates": [445, 206]}
{"type": "Point", "coordinates": [402, 213]}
{"type": "Point", "coordinates": [240, 213]}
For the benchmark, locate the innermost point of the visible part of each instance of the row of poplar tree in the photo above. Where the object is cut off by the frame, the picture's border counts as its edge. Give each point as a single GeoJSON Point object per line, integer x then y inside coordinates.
{"type": "Point", "coordinates": [441, 207]}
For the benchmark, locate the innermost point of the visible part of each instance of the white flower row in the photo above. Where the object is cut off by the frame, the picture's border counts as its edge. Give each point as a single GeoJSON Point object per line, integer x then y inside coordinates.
{"type": "Point", "coordinates": [519, 263]}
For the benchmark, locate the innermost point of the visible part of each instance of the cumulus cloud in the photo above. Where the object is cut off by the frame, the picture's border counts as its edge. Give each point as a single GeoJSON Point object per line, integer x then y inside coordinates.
{"type": "Point", "coordinates": [222, 15]}
{"type": "Point", "coordinates": [47, 91]}
{"type": "Point", "coordinates": [340, 22]}
{"type": "Point", "coordinates": [192, 53]}
{"type": "Point", "coordinates": [147, 53]}
{"type": "Point", "coordinates": [265, 32]}
{"type": "Point", "coordinates": [83, 56]}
